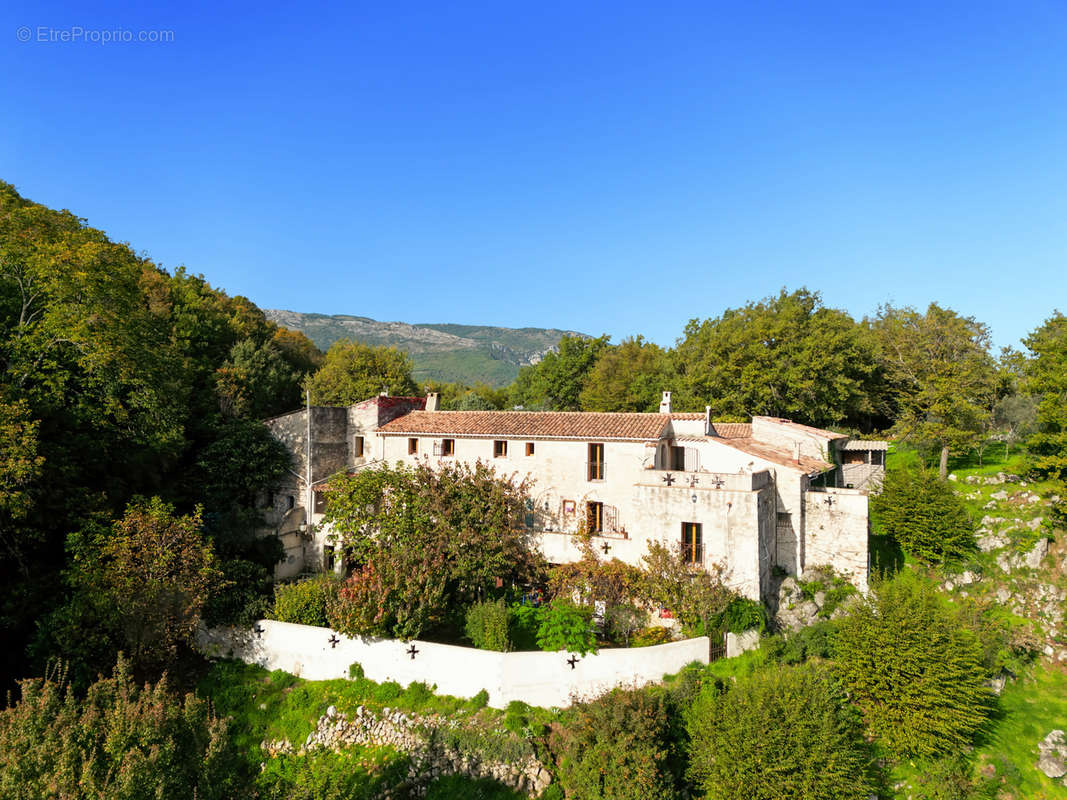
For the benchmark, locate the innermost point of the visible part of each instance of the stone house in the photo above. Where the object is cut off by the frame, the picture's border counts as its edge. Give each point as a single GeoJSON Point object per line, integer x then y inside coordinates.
{"type": "Point", "coordinates": [752, 496]}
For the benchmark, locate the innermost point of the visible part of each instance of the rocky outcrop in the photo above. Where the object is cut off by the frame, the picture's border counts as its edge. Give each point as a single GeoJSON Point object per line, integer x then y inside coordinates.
{"type": "Point", "coordinates": [797, 610]}
{"type": "Point", "coordinates": [415, 735]}
{"type": "Point", "coordinates": [1052, 755]}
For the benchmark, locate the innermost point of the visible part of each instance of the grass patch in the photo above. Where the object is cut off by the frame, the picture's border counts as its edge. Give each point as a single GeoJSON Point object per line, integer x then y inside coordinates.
{"type": "Point", "coordinates": [458, 787]}
{"type": "Point", "coordinates": [1029, 708]}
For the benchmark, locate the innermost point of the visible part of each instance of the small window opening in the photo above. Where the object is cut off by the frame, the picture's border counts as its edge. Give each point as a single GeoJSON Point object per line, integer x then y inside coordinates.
{"type": "Point", "coordinates": [594, 517]}
{"type": "Point", "coordinates": [692, 543]}
{"type": "Point", "coordinates": [529, 448]}
{"type": "Point", "coordinates": [500, 449]}
{"type": "Point", "coordinates": [448, 447]}
{"type": "Point", "coordinates": [413, 446]}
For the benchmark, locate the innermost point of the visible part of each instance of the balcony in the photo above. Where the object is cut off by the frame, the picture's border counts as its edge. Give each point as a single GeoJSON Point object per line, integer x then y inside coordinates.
{"type": "Point", "coordinates": [692, 552]}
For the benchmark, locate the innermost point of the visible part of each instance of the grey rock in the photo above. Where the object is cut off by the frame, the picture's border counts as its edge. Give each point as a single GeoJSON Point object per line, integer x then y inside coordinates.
{"type": "Point", "coordinates": [1001, 495]}
{"type": "Point", "coordinates": [1037, 553]}
{"type": "Point", "coordinates": [1052, 752]}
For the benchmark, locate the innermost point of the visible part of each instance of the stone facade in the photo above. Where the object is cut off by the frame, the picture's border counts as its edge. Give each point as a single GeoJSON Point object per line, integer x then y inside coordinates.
{"type": "Point", "coordinates": [749, 497]}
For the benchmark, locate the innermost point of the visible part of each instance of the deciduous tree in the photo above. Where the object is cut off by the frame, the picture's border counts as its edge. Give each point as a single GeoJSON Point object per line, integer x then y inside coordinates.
{"type": "Point", "coordinates": [942, 380]}
{"type": "Point", "coordinates": [353, 372]}
{"type": "Point", "coordinates": [785, 356]}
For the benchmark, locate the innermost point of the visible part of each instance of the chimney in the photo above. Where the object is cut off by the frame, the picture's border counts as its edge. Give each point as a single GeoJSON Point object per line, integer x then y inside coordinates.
{"type": "Point", "coordinates": [707, 421]}
{"type": "Point", "coordinates": [433, 401]}
{"type": "Point", "coordinates": [665, 403]}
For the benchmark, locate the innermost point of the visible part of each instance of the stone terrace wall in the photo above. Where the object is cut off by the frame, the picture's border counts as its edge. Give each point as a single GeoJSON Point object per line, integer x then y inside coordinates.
{"type": "Point", "coordinates": [540, 679]}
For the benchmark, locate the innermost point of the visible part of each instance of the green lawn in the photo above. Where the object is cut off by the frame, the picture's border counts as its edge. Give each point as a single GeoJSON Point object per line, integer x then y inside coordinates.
{"type": "Point", "coordinates": [1030, 707]}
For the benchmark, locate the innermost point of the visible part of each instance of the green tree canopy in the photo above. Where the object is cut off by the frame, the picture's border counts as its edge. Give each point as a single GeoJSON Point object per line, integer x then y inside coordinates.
{"type": "Point", "coordinates": [556, 382]}
{"type": "Point", "coordinates": [942, 379]}
{"type": "Point", "coordinates": [353, 372]}
{"type": "Point", "coordinates": [911, 667]}
{"type": "Point", "coordinates": [1046, 377]}
{"type": "Point", "coordinates": [427, 541]}
{"type": "Point", "coordinates": [630, 376]}
{"type": "Point", "coordinates": [121, 741]}
{"type": "Point", "coordinates": [155, 574]}
{"type": "Point", "coordinates": [785, 356]}
{"type": "Point", "coordinates": [924, 515]}
{"type": "Point", "coordinates": [778, 733]}
{"type": "Point", "coordinates": [617, 746]}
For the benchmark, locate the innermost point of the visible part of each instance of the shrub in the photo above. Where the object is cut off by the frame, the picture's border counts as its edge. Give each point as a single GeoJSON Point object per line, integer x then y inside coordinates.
{"type": "Point", "coordinates": [305, 601]}
{"type": "Point", "coordinates": [924, 515]}
{"type": "Point", "coordinates": [914, 671]}
{"type": "Point", "coordinates": [122, 742]}
{"type": "Point", "coordinates": [487, 625]}
{"type": "Point", "coordinates": [617, 746]}
{"type": "Point", "coordinates": [355, 671]}
{"type": "Point", "coordinates": [743, 615]}
{"type": "Point", "coordinates": [778, 733]}
{"type": "Point", "coordinates": [567, 627]}
{"type": "Point", "coordinates": [523, 624]}
{"type": "Point", "coordinates": [652, 635]}
{"type": "Point", "coordinates": [814, 641]}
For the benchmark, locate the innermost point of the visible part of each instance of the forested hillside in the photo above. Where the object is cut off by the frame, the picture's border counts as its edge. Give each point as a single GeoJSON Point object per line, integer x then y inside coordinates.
{"type": "Point", "coordinates": [440, 352]}
{"type": "Point", "coordinates": [120, 380]}
{"type": "Point", "coordinates": [134, 470]}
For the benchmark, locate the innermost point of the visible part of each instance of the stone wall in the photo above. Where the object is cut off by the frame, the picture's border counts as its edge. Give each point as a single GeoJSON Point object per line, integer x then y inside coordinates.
{"type": "Point", "coordinates": [836, 532]}
{"type": "Point", "coordinates": [420, 737]}
{"type": "Point", "coordinates": [537, 678]}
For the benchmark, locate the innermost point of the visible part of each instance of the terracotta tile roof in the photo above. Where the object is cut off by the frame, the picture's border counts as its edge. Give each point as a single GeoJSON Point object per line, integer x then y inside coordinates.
{"type": "Point", "coordinates": [820, 432]}
{"type": "Point", "coordinates": [531, 424]}
{"type": "Point", "coordinates": [732, 430]}
{"type": "Point", "coordinates": [806, 465]}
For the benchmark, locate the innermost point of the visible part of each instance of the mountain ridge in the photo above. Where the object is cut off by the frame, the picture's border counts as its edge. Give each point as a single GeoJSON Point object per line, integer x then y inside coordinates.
{"type": "Point", "coordinates": [440, 351]}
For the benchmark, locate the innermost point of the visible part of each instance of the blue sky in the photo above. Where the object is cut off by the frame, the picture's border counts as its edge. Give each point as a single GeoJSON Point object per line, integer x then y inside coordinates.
{"type": "Point", "coordinates": [605, 167]}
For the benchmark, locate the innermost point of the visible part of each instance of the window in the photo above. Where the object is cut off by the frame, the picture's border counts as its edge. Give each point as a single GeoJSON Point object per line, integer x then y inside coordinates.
{"type": "Point", "coordinates": [692, 543]}
{"type": "Point", "coordinates": [500, 449]}
{"type": "Point", "coordinates": [413, 446]}
{"type": "Point", "coordinates": [594, 517]}
{"type": "Point", "coordinates": [320, 502]}
{"type": "Point", "coordinates": [785, 519]}
{"type": "Point", "coordinates": [327, 557]}
{"type": "Point", "coordinates": [290, 503]}
{"type": "Point", "coordinates": [678, 459]}
{"type": "Point", "coordinates": [448, 447]}
{"type": "Point", "coordinates": [596, 462]}
{"type": "Point", "coordinates": [529, 448]}
{"type": "Point", "coordinates": [357, 447]}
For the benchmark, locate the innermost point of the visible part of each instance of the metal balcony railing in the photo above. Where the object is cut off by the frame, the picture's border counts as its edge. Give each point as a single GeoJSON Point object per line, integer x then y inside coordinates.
{"type": "Point", "coordinates": [693, 552]}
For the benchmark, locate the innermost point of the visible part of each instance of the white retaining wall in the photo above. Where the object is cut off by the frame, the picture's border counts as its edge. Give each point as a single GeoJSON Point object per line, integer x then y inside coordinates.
{"type": "Point", "coordinates": [537, 678]}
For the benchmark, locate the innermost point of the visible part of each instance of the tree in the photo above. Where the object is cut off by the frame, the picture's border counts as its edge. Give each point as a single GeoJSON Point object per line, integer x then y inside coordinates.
{"type": "Point", "coordinates": [941, 377]}
{"type": "Point", "coordinates": [20, 467]}
{"type": "Point", "coordinates": [630, 376]}
{"type": "Point", "coordinates": [697, 597]}
{"type": "Point", "coordinates": [924, 515]}
{"type": "Point", "coordinates": [556, 382]}
{"type": "Point", "coordinates": [617, 746]}
{"type": "Point", "coordinates": [121, 742]}
{"type": "Point", "coordinates": [785, 356]}
{"type": "Point", "coordinates": [156, 573]}
{"type": "Point", "coordinates": [914, 671]}
{"type": "Point", "coordinates": [353, 372]}
{"type": "Point", "coordinates": [427, 541]}
{"type": "Point", "coordinates": [1046, 378]}
{"type": "Point", "coordinates": [785, 732]}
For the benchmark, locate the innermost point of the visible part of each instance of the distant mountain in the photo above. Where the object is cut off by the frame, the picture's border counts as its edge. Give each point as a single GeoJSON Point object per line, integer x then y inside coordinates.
{"type": "Point", "coordinates": [465, 353]}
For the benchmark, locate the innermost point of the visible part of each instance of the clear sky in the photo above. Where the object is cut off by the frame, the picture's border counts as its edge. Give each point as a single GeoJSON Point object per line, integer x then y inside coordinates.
{"type": "Point", "coordinates": [607, 167]}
